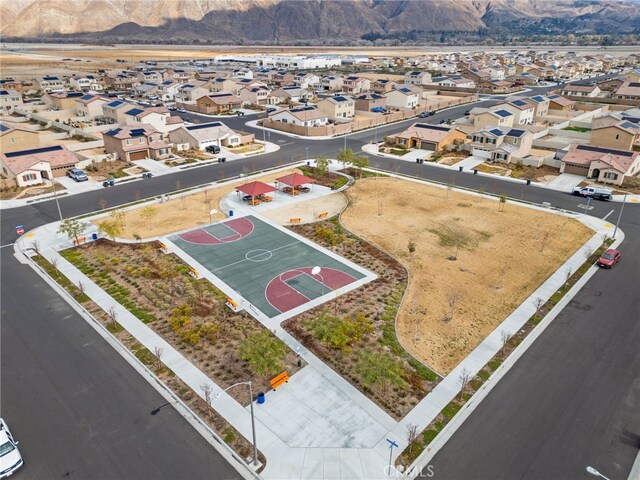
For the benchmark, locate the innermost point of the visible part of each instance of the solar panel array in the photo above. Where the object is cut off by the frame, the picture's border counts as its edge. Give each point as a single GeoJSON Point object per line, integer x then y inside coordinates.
{"type": "Point", "coordinates": [432, 127]}
{"type": "Point", "coordinates": [589, 148]}
{"type": "Point", "coordinates": [33, 151]}
{"type": "Point", "coordinates": [503, 113]}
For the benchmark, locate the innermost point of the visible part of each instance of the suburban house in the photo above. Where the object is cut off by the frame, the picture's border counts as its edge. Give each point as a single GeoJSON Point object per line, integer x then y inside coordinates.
{"type": "Point", "coordinates": [49, 84]}
{"type": "Point", "coordinates": [14, 137]}
{"type": "Point", "coordinates": [429, 137]}
{"type": "Point", "coordinates": [496, 73]}
{"type": "Point", "coordinates": [337, 108]}
{"type": "Point", "coordinates": [368, 101]}
{"type": "Point", "coordinates": [203, 135]}
{"type": "Point", "coordinates": [61, 100]}
{"type": "Point", "coordinates": [86, 83]}
{"type": "Point", "coordinates": [602, 164]}
{"type": "Point", "coordinates": [475, 74]}
{"type": "Point", "coordinates": [158, 117]}
{"type": "Point", "coordinates": [167, 90]}
{"type": "Point", "coordinates": [291, 94]}
{"type": "Point", "coordinates": [306, 80]}
{"type": "Point", "coordinates": [522, 110]}
{"type": "Point", "coordinates": [482, 117]}
{"type": "Point", "coordinates": [221, 84]}
{"type": "Point", "coordinates": [145, 89]}
{"type": "Point", "coordinates": [628, 91]}
{"type": "Point", "coordinates": [354, 85]}
{"type": "Point", "coordinates": [136, 142]}
{"type": "Point", "coordinates": [633, 75]}
{"type": "Point", "coordinates": [417, 78]}
{"type": "Point", "coordinates": [217, 103]}
{"type": "Point", "coordinates": [90, 105]}
{"type": "Point", "coordinates": [623, 135]}
{"type": "Point", "coordinates": [177, 75]}
{"type": "Point", "coordinates": [541, 105]}
{"type": "Point", "coordinates": [282, 77]}
{"type": "Point", "coordinates": [256, 95]}
{"type": "Point", "coordinates": [524, 78]}
{"type": "Point", "coordinates": [453, 81]}
{"type": "Point", "coordinates": [505, 145]}
{"type": "Point", "coordinates": [302, 116]}
{"type": "Point", "coordinates": [115, 110]}
{"type": "Point", "coordinates": [557, 102]}
{"type": "Point", "coordinates": [190, 92]}
{"type": "Point", "coordinates": [120, 81]}
{"type": "Point", "coordinates": [33, 166]}
{"type": "Point", "coordinates": [382, 86]}
{"type": "Point", "coordinates": [581, 90]}
{"type": "Point", "coordinates": [331, 82]}
{"type": "Point", "coordinates": [150, 77]}
{"type": "Point", "coordinates": [9, 101]}
{"type": "Point", "coordinates": [403, 98]}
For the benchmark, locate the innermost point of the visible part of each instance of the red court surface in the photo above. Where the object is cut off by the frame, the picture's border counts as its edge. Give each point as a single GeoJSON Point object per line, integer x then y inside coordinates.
{"type": "Point", "coordinates": [284, 297]}
{"type": "Point", "coordinates": [242, 226]}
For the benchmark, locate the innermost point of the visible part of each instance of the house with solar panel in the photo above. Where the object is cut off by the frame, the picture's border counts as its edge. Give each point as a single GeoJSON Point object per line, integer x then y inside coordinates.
{"type": "Point", "coordinates": [33, 166]}
{"type": "Point", "coordinates": [622, 135]}
{"type": "Point", "coordinates": [90, 105]}
{"type": "Point", "coordinates": [14, 137]}
{"type": "Point", "coordinates": [628, 91]}
{"type": "Point", "coordinates": [61, 100]}
{"type": "Point", "coordinates": [353, 84]}
{"type": "Point", "coordinates": [558, 102]}
{"type": "Point", "coordinates": [159, 117]}
{"type": "Point", "coordinates": [484, 117]}
{"type": "Point", "coordinates": [429, 137]}
{"type": "Point", "coordinates": [605, 165]}
{"type": "Point", "coordinates": [331, 82]}
{"type": "Point", "coordinates": [85, 83]}
{"type": "Point", "coordinates": [136, 142]}
{"type": "Point", "coordinates": [307, 116]}
{"type": "Point", "coordinates": [257, 95]}
{"type": "Point", "coordinates": [338, 108]}
{"type": "Point", "coordinates": [217, 103]}
{"type": "Point", "coordinates": [500, 144]}
{"type": "Point", "coordinates": [367, 102]}
{"type": "Point", "coordinates": [202, 135]}
{"type": "Point", "coordinates": [581, 90]}
{"type": "Point", "coordinates": [150, 77]}
{"type": "Point", "coordinates": [417, 78]}
{"type": "Point", "coordinates": [382, 85]}
{"type": "Point", "coordinates": [49, 83]}
{"type": "Point", "coordinates": [403, 98]}
{"type": "Point", "coordinates": [291, 94]}
{"type": "Point", "coordinates": [115, 110]}
{"type": "Point", "coordinates": [191, 91]}
{"type": "Point", "coordinates": [523, 111]}
{"type": "Point", "coordinates": [540, 105]}
{"type": "Point", "coordinates": [9, 100]}
{"type": "Point", "coordinates": [167, 90]}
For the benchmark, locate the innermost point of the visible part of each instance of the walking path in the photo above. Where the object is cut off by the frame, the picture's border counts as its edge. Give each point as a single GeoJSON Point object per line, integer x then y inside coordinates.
{"type": "Point", "coordinates": [318, 426]}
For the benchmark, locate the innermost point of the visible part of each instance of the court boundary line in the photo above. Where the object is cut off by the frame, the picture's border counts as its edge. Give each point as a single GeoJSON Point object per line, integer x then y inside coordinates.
{"type": "Point", "coordinates": [228, 239]}
{"type": "Point", "coordinates": [311, 277]}
{"type": "Point", "coordinates": [247, 260]}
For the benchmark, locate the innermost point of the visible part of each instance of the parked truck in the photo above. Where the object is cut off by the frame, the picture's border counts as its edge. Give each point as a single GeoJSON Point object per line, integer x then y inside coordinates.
{"type": "Point", "coordinates": [594, 192]}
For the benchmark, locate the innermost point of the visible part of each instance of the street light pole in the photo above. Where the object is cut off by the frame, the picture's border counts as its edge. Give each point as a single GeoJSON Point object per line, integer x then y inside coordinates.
{"type": "Point", "coordinates": [624, 200]}
{"type": "Point", "coordinates": [595, 473]}
{"type": "Point", "coordinates": [55, 195]}
{"type": "Point", "coordinates": [253, 420]}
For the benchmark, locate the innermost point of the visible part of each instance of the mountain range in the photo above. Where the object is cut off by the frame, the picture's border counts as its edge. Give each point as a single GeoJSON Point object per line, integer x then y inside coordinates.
{"type": "Point", "coordinates": [282, 21]}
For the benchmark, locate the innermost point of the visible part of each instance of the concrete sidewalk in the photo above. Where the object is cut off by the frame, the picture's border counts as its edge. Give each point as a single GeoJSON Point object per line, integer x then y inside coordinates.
{"type": "Point", "coordinates": [318, 426]}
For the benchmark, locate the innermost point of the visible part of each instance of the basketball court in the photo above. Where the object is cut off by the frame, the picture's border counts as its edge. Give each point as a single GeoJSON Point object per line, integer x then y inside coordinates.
{"type": "Point", "coordinates": [272, 269]}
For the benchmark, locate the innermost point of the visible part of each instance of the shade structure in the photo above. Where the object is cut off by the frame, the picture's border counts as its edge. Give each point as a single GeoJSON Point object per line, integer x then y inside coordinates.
{"type": "Point", "coordinates": [295, 180]}
{"type": "Point", "coordinates": [255, 188]}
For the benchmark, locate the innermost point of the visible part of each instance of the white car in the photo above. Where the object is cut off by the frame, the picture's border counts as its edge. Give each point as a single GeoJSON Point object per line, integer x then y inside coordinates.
{"type": "Point", "coordinates": [10, 458]}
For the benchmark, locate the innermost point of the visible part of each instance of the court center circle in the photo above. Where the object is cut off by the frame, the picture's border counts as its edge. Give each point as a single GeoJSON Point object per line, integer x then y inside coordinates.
{"type": "Point", "coordinates": [258, 255]}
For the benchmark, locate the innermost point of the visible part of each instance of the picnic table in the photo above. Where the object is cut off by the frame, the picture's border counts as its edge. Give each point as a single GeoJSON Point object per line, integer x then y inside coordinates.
{"type": "Point", "coordinates": [254, 202]}
{"type": "Point", "coordinates": [291, 191]}
{"type": "Point", "coordinates": [265, 198]}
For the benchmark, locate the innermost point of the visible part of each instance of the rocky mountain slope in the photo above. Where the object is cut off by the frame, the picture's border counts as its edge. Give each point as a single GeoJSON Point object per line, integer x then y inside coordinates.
{"type": "Point", "coordinates": [280, 21]}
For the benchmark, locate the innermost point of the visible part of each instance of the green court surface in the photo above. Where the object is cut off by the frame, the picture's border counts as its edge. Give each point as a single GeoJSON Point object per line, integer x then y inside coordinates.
{"type": "Point", "coordinates": [269, 268]}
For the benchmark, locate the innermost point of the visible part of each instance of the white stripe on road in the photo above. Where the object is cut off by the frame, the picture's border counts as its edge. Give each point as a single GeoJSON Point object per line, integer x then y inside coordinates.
{"type": "Point", "coordinates": [605, 217]}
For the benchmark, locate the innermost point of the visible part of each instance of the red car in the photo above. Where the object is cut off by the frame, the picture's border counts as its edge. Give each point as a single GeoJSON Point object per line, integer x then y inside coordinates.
{"type": "Point", "coordinates": [609, 258]}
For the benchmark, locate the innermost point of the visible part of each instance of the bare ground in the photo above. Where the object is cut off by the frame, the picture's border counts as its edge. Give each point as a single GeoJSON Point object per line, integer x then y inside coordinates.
{"type": "Point", "coordinates": [451, 305]}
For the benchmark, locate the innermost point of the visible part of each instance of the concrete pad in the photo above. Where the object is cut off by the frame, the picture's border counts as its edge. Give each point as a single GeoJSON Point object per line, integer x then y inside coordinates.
{"type": "Point", "coordinates": [565, 182]}
{"type": "Point", "coordinates": [310, 411]}
{"type": "Point", "coordinates": [469, 163]}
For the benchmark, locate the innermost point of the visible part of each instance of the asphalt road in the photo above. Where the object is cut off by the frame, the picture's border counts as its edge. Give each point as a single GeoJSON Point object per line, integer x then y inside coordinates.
{"type": "Point", "coordinates": [80, 410]}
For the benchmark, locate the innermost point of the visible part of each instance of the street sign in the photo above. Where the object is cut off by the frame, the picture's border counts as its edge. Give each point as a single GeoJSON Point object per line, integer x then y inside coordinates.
{"type": "Point", "coordinates": [20, 231]}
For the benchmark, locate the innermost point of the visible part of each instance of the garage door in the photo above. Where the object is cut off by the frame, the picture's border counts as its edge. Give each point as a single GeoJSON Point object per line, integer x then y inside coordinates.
{"type": "Point", "coordinates": [481, 152]}
{"type": "Point", "coordinates": [141, 155]}
{"type": "Point", "coordinates": [576, 169]}
{"type": "Point", "coordinates": [428, 146]}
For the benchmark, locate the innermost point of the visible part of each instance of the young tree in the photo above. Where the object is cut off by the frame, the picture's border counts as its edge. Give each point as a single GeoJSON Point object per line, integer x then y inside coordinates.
{"type": "Point", "coordinates": [360, 162]}
{"type": "Point", "coordinates": [452, 300]}
{"type": "Point", "coordinates": [158, 351]}
{"type": "Point", "coordinates": [538, 303]}
{"type": "Point", "coordinates": [411, 246]}
{"type": "Point", "coordinates": [322, 165]}
{"type": "Point", "coordinates": [110, 228]}
{"type": "Point", "coordinates": [208, 399]}
{"type": "Point", "coordinates": [264, 352]}
{"type": "Point", "coordinates": [103, 203]}
{"type": "Point", "coordinates": [463, 380]}
{"type": "Point", "coordinates": [73, 228]}
{"type": "Point", "coordinates": [504, 340]}
{"type": "Point", "coordinates": [113, 316]}
{"type": "Point", "coordinates": [148, 213]}
{"type": "Point", "coordinates": [503, 202]}
{"type": "Point", "coordinates": [345, 156]}
{"type": "Point", "coordinates": [412, 433]}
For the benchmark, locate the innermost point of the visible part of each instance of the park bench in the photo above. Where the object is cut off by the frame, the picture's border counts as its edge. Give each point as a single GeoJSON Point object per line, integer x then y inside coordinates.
{"type": "Point", "coordinates": [279, 380]}
{"type": "Point", "coordinates": [295, 220]}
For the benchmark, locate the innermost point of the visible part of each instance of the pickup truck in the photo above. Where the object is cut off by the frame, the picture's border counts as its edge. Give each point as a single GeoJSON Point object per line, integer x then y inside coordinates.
{"type": "Point", "coordinates": [595, 192]}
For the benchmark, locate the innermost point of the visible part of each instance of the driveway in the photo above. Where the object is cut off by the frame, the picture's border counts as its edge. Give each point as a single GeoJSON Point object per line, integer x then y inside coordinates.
{"type": "Point", "coordinates": [469, 163]}
{"type": "Point", "coordinates": [565, 182]}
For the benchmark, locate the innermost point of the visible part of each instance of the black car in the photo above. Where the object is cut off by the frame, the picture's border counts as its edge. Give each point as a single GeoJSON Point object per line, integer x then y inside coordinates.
{"type": "Point", "coordinates": [213, 149]}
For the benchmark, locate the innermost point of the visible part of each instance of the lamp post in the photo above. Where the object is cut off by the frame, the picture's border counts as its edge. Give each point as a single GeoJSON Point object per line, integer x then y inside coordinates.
{"type": "Point", "coordinates": [595, 473]}
{"type": "Point", "coordinates": [55, 195]}
{"type": "Point", "coordinates": [624, 200]}
{"type": "Point", "coordinates": [316, 271]}
{"type": "Point", "coordinates": [253, 420]}
{"type": "Point", "coordinates": [306, 153]}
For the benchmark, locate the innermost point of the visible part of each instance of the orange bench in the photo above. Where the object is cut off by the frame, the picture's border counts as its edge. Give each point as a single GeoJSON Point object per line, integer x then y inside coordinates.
{"type": "Point", "coordinates": [79, 240]}
{"type": "Point", "coordinates": [295, 220]}
{"type": "Point", "coordinates": [163, 246]}
{"type": "Point", "coordinates": [279, 380]}
{"type": "Point", "coordinates": [194, 272]}
{"type": "Point", "coordinates": [323, 214]}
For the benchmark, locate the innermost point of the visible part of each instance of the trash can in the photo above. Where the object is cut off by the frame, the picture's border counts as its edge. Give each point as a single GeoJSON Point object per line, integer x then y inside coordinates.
{"type": "Point", "coordinates": [144, 175]}
{"type": "Point", "coordinates": [231, 213]}
{"type": "Point", "coordinates": [260, 397]}
{"type": "Point", "coordinates": [459, 169]}
{"type": "Point", "coordinates": [475, 171]}
{"type": "Point", "coordinates": [149, 174]}
{"type": "Point", "coordinates": [94, 236]}
{"type": "Point", "coordinates": [528, 182]}
{"type": "Point", "coordinates": [417, 160]}
{"type": "Point", "coordinates": [308, 164]}
{"type": "Point", "coordinates": [111, 182]}
{"type": "Point", "coordinates": [105, 183]}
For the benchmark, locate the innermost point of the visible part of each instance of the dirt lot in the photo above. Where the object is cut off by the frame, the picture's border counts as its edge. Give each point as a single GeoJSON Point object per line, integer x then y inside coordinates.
{"type": "Point", "coordinates": [184, 211]}
{"type": "Point", "coordinates": [451, 305]}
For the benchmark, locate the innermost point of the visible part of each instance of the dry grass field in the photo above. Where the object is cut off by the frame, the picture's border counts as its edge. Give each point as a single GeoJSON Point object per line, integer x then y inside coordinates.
{"type": "Point", "coordinates": [183, 211]}
{"type": "Point", "coordinates": [452, 304]}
